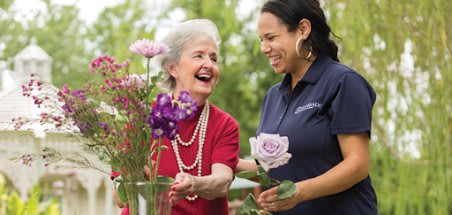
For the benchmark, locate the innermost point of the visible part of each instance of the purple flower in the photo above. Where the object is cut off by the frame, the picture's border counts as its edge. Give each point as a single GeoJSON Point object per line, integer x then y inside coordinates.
{"type": "Point", "coordinates": [84, 127]}
{"type": "Point", "coordinates": [104, 126]}
{"type": "Point", "coordinates": [147, 48]}
{"type": "Point", "coordinates": [80, 95]}
{"type": "Point", "coordinates": [187, 105]}
{"type": "Point", "coordinates": [167, 113]}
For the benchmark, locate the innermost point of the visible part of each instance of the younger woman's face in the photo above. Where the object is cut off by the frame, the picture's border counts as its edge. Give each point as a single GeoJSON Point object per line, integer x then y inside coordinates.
{"type": "Point", "coordinates": [197, 69]}
{"type": "Point", "coordinates": [277, 43]}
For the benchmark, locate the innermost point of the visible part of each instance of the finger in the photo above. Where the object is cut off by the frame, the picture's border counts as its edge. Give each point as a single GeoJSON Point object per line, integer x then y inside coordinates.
{"type": "Point", "coordinates": [181, 186]}
{"type": "Point", "coordinates": [270, 206]}
{"type": "Point", "coordinates": [267, 197]}
{"type": "Point", "coordinates": [147, 171]}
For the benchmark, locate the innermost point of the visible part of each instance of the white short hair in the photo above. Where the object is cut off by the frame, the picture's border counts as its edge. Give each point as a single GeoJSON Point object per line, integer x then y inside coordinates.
{"type": "Point", "coordinates": [176, 40]}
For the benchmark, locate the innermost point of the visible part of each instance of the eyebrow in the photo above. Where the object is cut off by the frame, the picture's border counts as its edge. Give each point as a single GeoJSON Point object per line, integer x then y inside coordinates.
{"type": "Point", "coordinates": [201, 51]}
{"type": "Point", "coordinates": [269, 34]}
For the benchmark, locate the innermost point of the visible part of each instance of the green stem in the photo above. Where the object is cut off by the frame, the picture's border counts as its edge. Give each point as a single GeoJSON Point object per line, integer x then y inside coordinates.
{"type": "Point", "coordinates": [157, 162]}
{"type": "Point", "coordinates": [147, 84]}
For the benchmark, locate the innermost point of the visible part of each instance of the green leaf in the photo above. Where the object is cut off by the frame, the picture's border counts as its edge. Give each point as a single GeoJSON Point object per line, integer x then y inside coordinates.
{"type": "Point", "coordinates": [122, 192]}
{"type": "Point", "coordinates": [121, 118]}
{"type": "Point", "coordinates": [246, 174]}
{"type": "Point", "coordinates": [249, 206]}
{"type": "Point", "coordinates": [156, 78]}
{"type": "Point", "coordinates": [265, 180]}
{"type": "Point", "coordinates": [286, 189]}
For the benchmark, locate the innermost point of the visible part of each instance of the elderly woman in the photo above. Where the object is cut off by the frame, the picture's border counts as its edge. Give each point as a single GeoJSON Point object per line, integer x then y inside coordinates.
{"type": "Point", "coordinates": [203, 156]}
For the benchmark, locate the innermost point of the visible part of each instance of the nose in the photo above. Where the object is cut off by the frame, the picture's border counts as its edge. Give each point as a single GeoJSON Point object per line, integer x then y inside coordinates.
{"type": "Point", "coordinates": [208, 64]}
{"type": "Point", "coordinates": [265, 48]}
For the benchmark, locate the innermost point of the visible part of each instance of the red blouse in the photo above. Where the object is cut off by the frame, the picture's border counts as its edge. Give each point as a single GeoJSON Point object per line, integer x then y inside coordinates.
{"type": "Point", "coordinates": [221, 146]}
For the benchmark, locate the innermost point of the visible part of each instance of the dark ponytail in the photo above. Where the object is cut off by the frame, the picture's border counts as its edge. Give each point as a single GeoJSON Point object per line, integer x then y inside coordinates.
{"type": "Point", "coordinates": [290, 12]}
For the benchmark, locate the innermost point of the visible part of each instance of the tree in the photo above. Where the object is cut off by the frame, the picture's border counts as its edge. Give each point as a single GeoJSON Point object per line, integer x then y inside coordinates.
{"type": "Point", "coordinates": [239, 91]}
{"type": "Point", "coordinates": [118, 27]}
{"type": "Point", "coordinates": [401, 48]}
{"type": "Point", "coordinates": [57, 30]}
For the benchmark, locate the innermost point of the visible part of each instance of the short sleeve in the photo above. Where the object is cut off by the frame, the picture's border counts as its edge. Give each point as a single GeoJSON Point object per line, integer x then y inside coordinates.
{"type": "Point", "coordinates": [226, 149]}
{"type": "Point", "coordinates": [351, 108]}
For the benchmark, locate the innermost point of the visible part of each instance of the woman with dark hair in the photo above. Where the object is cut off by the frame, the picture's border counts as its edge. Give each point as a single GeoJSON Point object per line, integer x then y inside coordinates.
{"type": "Point", "coordinates": [323, 107]}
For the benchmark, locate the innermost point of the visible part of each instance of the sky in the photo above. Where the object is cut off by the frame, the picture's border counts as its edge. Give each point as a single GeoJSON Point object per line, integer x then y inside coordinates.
{"type": "Point", "coordinates": [89, 9]}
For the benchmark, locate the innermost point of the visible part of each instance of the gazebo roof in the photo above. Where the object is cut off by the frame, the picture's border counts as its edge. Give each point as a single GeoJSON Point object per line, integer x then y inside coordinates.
{"type": "Point", "coordinates": [32, 52]}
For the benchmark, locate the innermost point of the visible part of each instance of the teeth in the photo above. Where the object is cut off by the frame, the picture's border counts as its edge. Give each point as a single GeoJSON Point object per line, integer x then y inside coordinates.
{"type": "Point", "coordinates": [203, 77]}
{"type": "Point", "coordinates": [274, 59]}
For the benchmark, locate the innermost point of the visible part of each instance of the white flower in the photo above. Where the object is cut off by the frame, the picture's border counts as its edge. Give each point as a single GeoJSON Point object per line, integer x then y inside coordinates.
{"type": "Point", "coordinates": [270, 150]}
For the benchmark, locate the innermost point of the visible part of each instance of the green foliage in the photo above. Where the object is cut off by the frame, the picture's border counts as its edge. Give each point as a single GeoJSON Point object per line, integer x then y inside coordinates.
{"type": "Point", "coordinates": [117, 27]}
{"type": "Point", "coordinates": [57, 30]}
{"type": "Point", "coordinates": [412, 109]}
{"type": "Point", "coordinates": [12, 204]}
{"type": "Point", "coordinates": [413, 104]}
{"type": "Point", "coordinates": [249, 206]}
{"type": "Point", "coordinates": [286, 189]}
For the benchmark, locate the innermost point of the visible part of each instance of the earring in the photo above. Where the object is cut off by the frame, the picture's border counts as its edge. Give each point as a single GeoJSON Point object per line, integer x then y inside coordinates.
{"type": "Point", "coordinates": [297, 47]}
{"type": "Point", "coordinates": [309, 54]}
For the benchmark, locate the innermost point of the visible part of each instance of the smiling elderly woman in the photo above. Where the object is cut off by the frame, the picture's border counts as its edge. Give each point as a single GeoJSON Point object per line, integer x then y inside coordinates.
{"type": "Point", "coordinates": [204, 154]}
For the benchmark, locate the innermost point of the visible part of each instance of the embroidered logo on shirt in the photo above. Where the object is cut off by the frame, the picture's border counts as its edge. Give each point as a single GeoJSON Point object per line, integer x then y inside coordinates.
{"type": "Point", "coordinates": [308, 106]}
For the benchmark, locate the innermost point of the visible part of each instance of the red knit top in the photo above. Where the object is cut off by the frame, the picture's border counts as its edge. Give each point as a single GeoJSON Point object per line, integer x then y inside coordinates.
{"type": "Point", "coordinates": [221, 146]}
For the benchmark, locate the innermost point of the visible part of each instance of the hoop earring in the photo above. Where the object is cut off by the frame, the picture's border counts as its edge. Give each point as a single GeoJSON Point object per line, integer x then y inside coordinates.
{"type": "Point", "coordinates": [309, 54]}
{"type": "Point", "coordinates": [297, 47]}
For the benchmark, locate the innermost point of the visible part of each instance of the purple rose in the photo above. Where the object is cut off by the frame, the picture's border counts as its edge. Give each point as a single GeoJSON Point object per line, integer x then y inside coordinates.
{"type": "Point", "coordinates": [270, 150]}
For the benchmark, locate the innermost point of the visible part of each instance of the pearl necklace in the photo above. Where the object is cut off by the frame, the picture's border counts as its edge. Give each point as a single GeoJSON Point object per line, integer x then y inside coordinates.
{"type": "Point", "coordinates": [201, 126]}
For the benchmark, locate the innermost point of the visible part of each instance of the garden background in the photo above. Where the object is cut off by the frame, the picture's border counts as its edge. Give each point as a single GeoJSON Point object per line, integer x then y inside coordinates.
{"type": "Point", "coordinates": [401, 47]}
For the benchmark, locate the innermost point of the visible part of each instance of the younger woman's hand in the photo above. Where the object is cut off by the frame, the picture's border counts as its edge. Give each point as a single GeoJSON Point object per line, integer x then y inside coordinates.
{"type": "Point", "coordinates": [270, 202]}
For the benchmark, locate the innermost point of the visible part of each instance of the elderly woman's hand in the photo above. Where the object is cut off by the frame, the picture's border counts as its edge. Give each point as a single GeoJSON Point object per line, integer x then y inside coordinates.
{"type": "Point", "coordinates": [184, 185]}
{"type": "Point", "coordinates": [215, 185]}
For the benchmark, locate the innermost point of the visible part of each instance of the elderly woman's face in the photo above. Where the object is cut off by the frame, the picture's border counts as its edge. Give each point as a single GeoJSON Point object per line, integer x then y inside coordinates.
{"type": "Point", "coordinates": [197, 69]}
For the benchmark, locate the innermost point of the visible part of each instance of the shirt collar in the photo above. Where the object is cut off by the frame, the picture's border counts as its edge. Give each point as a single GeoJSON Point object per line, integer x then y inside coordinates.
{"type": "Point", "coordinates": [313, 74]}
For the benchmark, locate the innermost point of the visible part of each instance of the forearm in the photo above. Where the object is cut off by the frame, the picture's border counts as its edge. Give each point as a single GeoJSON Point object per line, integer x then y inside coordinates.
{"type": "Point", "coordinates": [340, 178]}
{"type": "Point", "coordinates": [246, 165]}
{"type": "Point", "coordinates": [215, 185]}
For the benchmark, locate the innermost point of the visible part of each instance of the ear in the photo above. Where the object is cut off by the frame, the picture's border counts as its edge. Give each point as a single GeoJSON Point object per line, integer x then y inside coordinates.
{"type": "Point", "coordinates": [304, 27]}
{"type": "Point", "coordinates": [172, 69]}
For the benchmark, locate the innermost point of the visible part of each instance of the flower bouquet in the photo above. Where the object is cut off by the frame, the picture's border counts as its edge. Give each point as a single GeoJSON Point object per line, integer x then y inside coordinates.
{"type": "Point", "coordinates": [117, 119]}
{"type": "Point", "coordinates": [270, 151]}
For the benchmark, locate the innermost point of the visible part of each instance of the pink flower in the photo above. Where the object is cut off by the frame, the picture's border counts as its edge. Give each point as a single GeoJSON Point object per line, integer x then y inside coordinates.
{"type": "Point", "coordinates": [114, 174]}
{"type": "Point", "coordinates": [147, 48]}
{"type": "Point", "coordinates": [270, 150]}
{"type": "Point", "coordinates": [134, 80]}
{"type": "Point", "coordinates": [125, 211]}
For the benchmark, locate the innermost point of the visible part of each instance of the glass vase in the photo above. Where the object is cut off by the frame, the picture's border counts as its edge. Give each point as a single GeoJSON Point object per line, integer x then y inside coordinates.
{"type": "Point", "coordinates": [148, 198]}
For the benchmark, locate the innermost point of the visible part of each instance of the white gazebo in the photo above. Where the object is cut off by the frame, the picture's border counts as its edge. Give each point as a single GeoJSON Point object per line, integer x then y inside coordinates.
{"type": "Point", "coordinates": [81, 191]}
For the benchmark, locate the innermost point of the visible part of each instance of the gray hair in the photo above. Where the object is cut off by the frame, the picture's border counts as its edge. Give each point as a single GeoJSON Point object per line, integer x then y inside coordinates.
{"type": "Point", "coordinates": [176, 40]}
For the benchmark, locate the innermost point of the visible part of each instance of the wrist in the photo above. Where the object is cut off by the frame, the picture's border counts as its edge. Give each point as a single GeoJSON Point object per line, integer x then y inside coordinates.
{"type": "Point", "coordinates": [301, 194]}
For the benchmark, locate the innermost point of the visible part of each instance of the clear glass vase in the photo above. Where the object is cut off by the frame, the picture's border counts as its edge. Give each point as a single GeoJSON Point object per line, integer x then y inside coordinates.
{"type": "Point", "coordinates": [148, 198]}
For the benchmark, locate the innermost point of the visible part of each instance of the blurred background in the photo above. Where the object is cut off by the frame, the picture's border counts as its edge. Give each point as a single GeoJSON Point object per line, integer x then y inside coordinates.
{"type": "Point", "coordinates": [401, 47]}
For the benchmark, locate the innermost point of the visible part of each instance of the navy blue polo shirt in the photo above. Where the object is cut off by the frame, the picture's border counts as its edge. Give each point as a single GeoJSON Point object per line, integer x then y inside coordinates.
{"type": "Point", "coordinates": [331, 99]}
